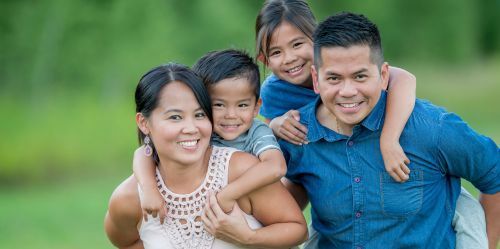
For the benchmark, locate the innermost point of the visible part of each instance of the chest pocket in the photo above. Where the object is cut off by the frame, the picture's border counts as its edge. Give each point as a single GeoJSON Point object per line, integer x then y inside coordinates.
{"type": "Point", "coordinates": [401, 199]}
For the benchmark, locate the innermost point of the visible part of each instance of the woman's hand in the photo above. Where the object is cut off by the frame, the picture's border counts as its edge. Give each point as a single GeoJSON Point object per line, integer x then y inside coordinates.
{"type": "Point", "coordinates": [289, 128]}
{"type": "Point", "coordinates": [232, 227]}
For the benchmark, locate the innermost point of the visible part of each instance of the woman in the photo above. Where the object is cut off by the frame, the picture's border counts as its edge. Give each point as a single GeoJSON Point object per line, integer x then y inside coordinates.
{"type": "Point", "coordinates": [174, 119]}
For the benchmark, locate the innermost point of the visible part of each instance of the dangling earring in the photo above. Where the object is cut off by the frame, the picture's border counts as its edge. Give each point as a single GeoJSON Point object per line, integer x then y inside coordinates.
{"type": "Point", "coordinates": [148, 151]}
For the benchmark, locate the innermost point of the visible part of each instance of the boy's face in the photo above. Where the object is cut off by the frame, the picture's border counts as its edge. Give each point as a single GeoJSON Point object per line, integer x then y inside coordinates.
{"type": "Point", "coordinates": [234, 107]}
{"type": "Point", "coordinates": [349, 83]}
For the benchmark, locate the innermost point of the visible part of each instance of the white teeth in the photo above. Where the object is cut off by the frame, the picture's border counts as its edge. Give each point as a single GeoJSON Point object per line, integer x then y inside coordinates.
{"type": "Point", "coordinates": [188, 143]}
{"type": "Point", "coordinates": [295, 69]}
{"type": "Point", "coordinates": [349, 105]}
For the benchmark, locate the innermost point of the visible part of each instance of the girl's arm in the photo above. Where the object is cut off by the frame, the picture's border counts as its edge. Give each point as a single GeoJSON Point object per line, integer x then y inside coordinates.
{"type": "Point", "coordinates": [270, 169]}
{"type": "Point", "coordinates": [272, 205]}
{"type": "Point", "coordinates": [123, 215]}
{"type": "Point", "coordinates": [289, 128]}
{"type": "Point", "coordinates": [400, 103]}
{"type": "Point", "coordinates": [144, 171]}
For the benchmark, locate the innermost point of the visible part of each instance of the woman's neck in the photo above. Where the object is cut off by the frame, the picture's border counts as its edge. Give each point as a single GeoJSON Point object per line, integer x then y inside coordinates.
{"type": "Point", "coordinates": [184, 178]}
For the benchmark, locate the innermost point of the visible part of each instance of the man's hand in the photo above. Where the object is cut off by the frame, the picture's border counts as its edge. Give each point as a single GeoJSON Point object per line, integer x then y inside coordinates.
{"type": "Point", "coordinates": [289, 128]}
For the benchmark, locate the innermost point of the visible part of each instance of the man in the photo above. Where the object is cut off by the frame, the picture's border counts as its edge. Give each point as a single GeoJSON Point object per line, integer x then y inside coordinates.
{"type": "Point", "coordinates": [355, 203]}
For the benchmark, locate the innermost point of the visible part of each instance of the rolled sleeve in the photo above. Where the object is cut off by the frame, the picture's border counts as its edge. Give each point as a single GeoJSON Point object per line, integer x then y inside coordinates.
{"type": "Point", "coordinates": [467, 154]}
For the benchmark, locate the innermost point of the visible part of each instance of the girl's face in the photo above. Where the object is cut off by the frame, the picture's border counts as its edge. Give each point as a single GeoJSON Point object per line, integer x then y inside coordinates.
{"type": "Point", "coordinates": [178, 126]}
{"type": "Point", "coordinates": [290, 55]}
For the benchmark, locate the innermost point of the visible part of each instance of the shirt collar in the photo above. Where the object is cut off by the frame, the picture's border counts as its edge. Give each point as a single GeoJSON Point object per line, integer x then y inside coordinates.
{"type": "Point", "coordinates": [316, 131]}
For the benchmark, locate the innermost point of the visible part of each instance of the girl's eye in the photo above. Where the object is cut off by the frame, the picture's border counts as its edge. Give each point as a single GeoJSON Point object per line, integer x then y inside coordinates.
{"type": "Point", "coordinates": [218, 105]}
{"type": "Point", "coordinates": [274, 53]}
{"type": "Point", "coordinates": [175, 117]}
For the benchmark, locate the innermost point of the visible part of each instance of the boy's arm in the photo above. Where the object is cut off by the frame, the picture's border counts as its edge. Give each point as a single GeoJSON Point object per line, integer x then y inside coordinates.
{"type": "Point", "coordinates": [269, 170]}
{"type": "Point", "coordinates": [400, 103]}
{"type": "Point", "coordinates": [144, 171]}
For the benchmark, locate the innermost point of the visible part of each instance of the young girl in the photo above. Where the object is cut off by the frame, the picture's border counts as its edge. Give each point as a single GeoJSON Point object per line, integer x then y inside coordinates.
{"type": "Point", "coordinates": [284, 44]}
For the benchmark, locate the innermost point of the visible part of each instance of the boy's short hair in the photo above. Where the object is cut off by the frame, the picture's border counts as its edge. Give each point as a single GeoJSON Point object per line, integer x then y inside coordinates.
{"type": "Point", "coordinates": [230, 63]}
{"type": "Point", "coordinates": [347, 29]}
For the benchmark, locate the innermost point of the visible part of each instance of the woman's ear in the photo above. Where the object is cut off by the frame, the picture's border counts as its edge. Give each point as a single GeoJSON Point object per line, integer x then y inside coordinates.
{"type": "Point", "coordinates": [142, 123]}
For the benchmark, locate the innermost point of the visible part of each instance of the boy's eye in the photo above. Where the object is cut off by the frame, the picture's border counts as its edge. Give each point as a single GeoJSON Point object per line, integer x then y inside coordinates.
{"type": "Point", "coordinates": [217, 105]}
{"type": "Point", "coordinates": [243, 105]}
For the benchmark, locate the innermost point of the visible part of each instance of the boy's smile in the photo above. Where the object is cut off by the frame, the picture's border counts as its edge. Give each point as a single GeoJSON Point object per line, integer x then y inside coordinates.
{"type": "Point", "coordinates": [234, 107]}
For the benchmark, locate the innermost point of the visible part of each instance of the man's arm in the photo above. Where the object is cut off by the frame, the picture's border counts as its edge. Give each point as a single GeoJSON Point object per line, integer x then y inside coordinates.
{"type": "Point", "coordinates": [492, 212]}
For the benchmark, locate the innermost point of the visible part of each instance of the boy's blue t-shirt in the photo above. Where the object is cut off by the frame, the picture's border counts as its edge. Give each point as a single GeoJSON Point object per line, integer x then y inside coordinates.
{"type": "Point", "coordinates": [279, 96]}
{"type": "Point", "coordinates": [256, 140]}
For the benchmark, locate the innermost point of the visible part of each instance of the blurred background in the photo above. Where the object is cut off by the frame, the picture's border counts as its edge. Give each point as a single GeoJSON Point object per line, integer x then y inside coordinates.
{"type": "Point", "coordinates": [69, 70]}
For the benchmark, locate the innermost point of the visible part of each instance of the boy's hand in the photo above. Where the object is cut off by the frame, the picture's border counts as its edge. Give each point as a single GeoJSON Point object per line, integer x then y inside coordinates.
{"type": "Point", "coordinates": [395, 161]}
{"type": "Point", "coordinates": [287, 127]}
{"type": "Point", "coordinates": [225, 202]}
{"type": "Point", "coordinates": [153, 204]}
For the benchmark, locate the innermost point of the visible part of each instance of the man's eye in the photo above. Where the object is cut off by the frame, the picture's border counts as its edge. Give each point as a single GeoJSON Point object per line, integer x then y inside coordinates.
{"type": "Point", "coordinates": [360, 77]}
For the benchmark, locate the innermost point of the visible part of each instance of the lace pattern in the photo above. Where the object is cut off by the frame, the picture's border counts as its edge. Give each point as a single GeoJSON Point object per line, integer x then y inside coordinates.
{"type": "Point", "coordinates": [183, 223]}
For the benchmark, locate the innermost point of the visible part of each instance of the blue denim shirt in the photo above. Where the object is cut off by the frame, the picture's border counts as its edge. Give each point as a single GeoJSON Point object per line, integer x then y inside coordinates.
{"type": "Point", "coordinates": [356, 204]}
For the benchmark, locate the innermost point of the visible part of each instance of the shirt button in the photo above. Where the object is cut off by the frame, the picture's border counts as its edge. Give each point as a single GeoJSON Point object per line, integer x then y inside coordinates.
{"type": "Point", "coordinates": [357, 179]}
{"type": "Point", "coordinates": [351, 143]}
{"type": "Point", "coordinates": [358, 214]}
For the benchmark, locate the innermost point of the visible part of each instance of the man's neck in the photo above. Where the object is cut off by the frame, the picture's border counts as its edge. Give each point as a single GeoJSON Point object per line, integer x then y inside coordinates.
{"type": "Point", "coordinates": [330, 121]}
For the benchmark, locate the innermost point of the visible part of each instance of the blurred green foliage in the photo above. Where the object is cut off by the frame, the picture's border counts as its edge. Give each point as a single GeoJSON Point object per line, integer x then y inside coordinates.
{"type": "Point", "coordinates": [69, 69]}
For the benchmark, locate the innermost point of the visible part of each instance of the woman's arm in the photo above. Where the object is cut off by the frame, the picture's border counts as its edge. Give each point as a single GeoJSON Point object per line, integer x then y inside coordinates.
{"type": "Point", "coordinates": [400, 103]}
{"type": "Point", "coordinates": [123, 215]}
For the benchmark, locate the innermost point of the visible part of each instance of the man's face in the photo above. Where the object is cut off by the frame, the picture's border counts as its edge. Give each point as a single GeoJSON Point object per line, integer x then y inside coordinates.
{"type": "Point", "coordinates": [349, 83]}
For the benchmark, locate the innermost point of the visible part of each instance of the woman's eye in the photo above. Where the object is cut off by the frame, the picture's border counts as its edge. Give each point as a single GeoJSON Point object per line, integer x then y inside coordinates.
{"type": "Point", "coordinates": [175, 117]}
{"type": "Point", "coordinates": [200, 115]}
{"type": "Point", "coordinates": [296, 45]}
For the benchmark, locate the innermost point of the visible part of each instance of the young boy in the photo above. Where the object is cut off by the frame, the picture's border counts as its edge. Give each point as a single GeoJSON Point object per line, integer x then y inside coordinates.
{"type": "Point", "coordinates": [233, 81]}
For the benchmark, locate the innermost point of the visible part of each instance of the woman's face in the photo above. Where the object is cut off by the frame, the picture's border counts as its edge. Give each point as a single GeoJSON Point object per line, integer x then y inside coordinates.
{"type": "Point", "coordinates": [178, 126]}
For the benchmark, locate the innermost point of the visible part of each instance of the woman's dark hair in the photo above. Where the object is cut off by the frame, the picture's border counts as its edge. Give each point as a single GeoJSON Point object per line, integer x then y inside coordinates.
{"type": "Point", "coordinates": [147, 93]}
{"type": "Point", "coordinates": [273, 13]}
{"type": "Point", "coordinates": [225, 64]}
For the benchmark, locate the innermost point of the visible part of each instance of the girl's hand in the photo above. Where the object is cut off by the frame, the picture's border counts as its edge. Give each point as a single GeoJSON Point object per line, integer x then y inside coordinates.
{"type": "Point", "coordinates": [287, 127]}
{"type": "Point", "coordinates": [395, 160]}
{"type": "Point", "coordinates": [153, 204]}
{"type": "Point", "coordinates": [232, 228]}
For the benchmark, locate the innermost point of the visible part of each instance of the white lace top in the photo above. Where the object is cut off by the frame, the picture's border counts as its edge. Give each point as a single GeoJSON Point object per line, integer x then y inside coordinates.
{"type": "Point", "coordinates": [183, 227]}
